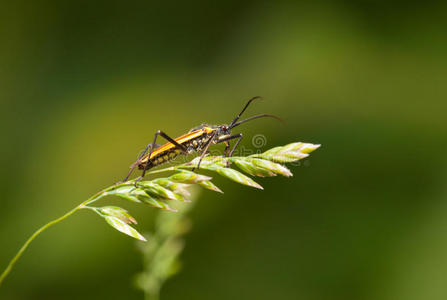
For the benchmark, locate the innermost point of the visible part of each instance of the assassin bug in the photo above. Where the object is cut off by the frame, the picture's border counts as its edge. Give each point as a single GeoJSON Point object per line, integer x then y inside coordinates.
{"type": "Point", "coordinates": [197, 139]}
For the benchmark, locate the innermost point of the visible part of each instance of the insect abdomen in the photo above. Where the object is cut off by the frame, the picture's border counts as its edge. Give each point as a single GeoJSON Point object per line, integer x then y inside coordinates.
{"type": "Point", "coordinates": [198, 142]}
{"type": "Point", "coordinates": [167, 155]}
{"type": "Point", "coordinates": [161, 158]}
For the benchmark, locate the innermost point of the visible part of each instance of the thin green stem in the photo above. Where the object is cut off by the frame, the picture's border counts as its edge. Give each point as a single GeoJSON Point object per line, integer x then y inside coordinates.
{"type": "Point", "coordinates": [35, 234]}
{"type": "Point", "coordinates": [84, 204]}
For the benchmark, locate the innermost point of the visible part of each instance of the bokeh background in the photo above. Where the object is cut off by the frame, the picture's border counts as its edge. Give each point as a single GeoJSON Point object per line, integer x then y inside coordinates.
{"type": "Point", "coordinates": [85, 84]}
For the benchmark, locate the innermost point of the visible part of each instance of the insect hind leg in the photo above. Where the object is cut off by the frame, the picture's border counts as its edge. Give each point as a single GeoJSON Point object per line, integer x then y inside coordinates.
{"type": "Point", "coordinates": [135, 164]}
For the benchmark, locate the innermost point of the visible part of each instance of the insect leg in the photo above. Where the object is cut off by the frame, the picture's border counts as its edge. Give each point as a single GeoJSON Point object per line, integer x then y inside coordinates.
{"type": "Point", "coordinates": [236, 136]}
{"type": "Point", "coordinates": [207, 145]}
{"type": "Point", "coordinates": [171, 140]}
{"type": "Point", "coordinates": [146, 149]}
{"type": "Point", "coordinates": [227, 148]}
{"type": "Point", "coordinates": [128, 174]}
{"type": "Point", "coordinates": [134, 165]}
{"type": "Point", "coordinates": [227, 145]}
{"type": "Point", "coordinates": [167, 137]}
{"type": "Point", "coordinates": [239, 138]}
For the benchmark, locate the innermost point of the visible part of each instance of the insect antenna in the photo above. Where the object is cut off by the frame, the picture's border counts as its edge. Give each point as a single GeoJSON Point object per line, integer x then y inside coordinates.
{"type": "Point", "coordinates": [240, 114]}
{"type": "Point", "coordinates": [234, 124]}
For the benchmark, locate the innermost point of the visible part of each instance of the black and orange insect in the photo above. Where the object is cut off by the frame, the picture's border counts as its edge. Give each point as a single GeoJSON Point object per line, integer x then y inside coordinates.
{"type": "Point", "coordinates": [197, 139]}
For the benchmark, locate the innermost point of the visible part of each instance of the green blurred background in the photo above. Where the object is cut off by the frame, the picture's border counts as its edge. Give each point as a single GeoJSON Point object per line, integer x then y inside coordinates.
{"type": "Point", "coordinates": [85, 84]}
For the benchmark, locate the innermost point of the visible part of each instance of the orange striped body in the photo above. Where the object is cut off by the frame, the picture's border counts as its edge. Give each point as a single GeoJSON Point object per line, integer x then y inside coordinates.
{"type": "Point", "coordinates": [192, 141]}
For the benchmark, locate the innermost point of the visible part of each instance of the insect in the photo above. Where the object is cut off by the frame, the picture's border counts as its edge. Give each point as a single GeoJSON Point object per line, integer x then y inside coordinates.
{"type": "Point", "coordinates": [197, 139]}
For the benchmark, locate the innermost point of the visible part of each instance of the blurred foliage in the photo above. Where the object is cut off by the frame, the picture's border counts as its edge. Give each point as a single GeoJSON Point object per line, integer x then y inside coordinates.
{"type": "Point", "coordinates": [161, 255]}
{"type": "Point", "coordinates": [85, 85]}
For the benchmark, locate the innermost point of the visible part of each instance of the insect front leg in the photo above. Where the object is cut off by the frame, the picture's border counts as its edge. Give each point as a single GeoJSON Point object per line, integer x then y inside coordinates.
{"type": "Point", "coordinates": [169, 139]}
{"type": "Point", "coordinates": [232, 137]}
{"type": "Point", "coordinates": [227, 148]}
{"type": "Point", "coordinates": [239, 138]}
{"type": "Point", "coordinates": [227, 144]}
